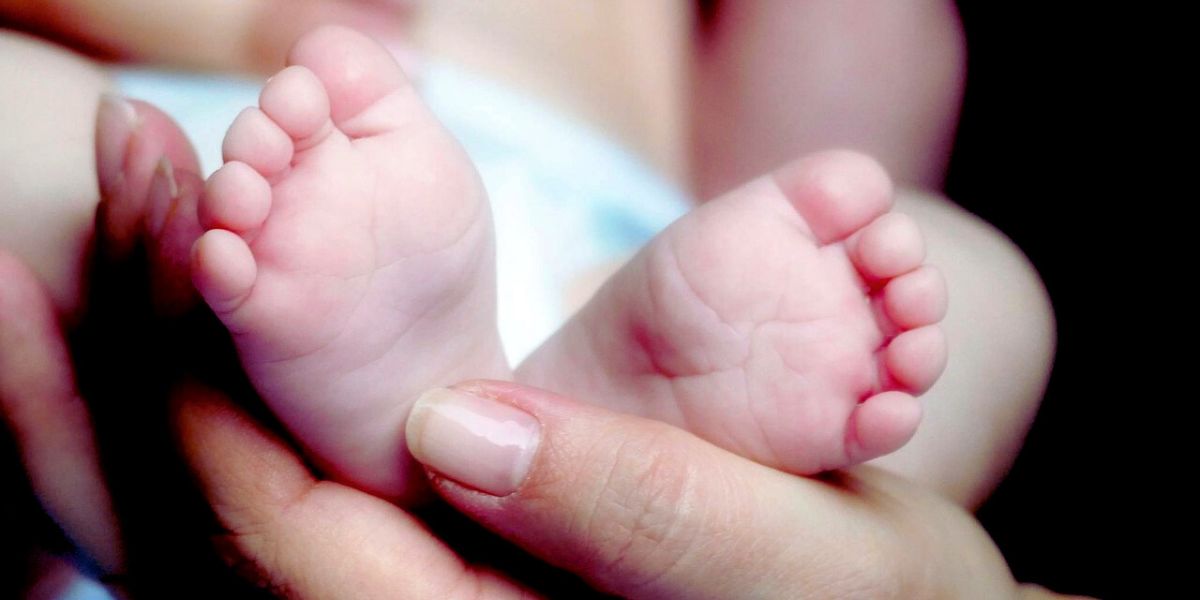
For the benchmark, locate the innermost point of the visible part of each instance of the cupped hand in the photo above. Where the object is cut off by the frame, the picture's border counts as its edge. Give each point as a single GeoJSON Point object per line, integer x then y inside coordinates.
{"type": "Point", "coordinates": [244, 36]}
{"type": "Point", "coordinates": [42, 407]}
{"type": "Point", "coordinates": [634, 507]}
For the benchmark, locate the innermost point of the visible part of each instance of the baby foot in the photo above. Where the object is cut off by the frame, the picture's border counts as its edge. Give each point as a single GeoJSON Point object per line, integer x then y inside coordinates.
{"type": "Point", "coordinates": [790, 321]}
{"type": "Point", "coordinates": [349, 251]}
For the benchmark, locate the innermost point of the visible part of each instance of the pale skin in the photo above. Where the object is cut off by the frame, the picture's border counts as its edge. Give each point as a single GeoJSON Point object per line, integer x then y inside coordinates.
{"type": "Point", "coordinates": [979, 410]}
{"type": "Point", "coordinates": [1008, 260]}
{"type": "Point", "coordinates": [959, 244]}
{"type": "Point", "coordinates": [632, 547]}
{"type": "Point", "coordinates": [280, 522]}
{"type": "Point", "coordinates": [341, 190]}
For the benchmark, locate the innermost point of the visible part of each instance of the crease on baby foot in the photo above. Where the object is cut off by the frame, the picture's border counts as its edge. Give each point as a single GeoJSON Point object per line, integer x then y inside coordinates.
{"type": "Point", "coordinates": [755, 414]}
{"type": "Point", "coordinates": [673, 254]}
{"type": "Point", "coordinates": [327, 129]}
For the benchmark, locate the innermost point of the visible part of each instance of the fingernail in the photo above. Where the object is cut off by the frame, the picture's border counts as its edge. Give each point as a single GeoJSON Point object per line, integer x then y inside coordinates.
{"type": "Point", "coordinates": [478, 442]}
{"type": "Point", "coordinates": [164, 190]}
{"type": "Point", "coordinates": [116, 120]}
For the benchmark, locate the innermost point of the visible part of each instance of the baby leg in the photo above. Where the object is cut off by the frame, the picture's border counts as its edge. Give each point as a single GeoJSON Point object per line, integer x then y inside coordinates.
{"type": "Point", "coordinates": [48, 190]}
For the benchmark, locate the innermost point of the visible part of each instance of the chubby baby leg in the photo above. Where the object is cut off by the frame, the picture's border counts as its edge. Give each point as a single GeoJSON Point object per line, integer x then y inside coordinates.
{"type": "Point", "coordinates": [1001, 331]}
{"type": "Point", "coordinates": [55, 171]}
{"type": "Point", "coordinates": [48, 190]}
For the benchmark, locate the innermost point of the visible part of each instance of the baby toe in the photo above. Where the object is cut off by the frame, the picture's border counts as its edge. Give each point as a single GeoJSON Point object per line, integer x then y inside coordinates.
{"type": "Point", "coordinates": [296, 100]}
{"type": "Point", "coordinates": [890, 246]}
{"type": "Point", "coordinates": [916, 299]}
{"type": "Point", "coordinates": [880, 425]}
{"type": "Point", "coordinates": [356, 71]}
{"type": "Point", "coordinates": [223, 270]}
{"type": "Point", "coordinates": [256, 140]}
{"type": "Point", "coordinates": [916, 358]}
{"type": "Point", "coordinates": [236, 198]}
{"type": "Point", "coordinates": [837, 193]}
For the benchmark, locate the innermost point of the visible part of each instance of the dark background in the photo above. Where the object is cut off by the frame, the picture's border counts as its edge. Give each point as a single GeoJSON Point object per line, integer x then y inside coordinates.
{"type": "Point", "coordinates": [1045, 152]}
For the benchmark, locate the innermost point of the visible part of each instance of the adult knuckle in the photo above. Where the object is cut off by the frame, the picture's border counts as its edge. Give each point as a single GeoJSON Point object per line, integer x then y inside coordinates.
{"type": "Point", "coordinates": [253, 559]}
{"type": "Point", "coordinates": [640, 514]}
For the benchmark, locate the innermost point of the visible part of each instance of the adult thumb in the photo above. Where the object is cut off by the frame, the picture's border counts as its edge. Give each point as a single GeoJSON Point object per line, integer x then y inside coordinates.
{"type": "Point", "coordinates": [639, 508]}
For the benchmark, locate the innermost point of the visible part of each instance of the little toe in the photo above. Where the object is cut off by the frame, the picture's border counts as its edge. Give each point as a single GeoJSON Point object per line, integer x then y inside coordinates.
{"type": "Point", "coordinates": [890, 246]}
{"type": "Point", "coordinates": [916, 299]}
{"type": "Point", "coordinates": [236, 198]}
{"type": "Point", "coordinates": [295, 99]}
{"type": "Point", "coordinates": [916, 358]}
{"type": "Point", "coordinates": [357, 73]}
{"type": "Point", "coordinates": [880, 425]}
{"type": "Point", "coordinates": [223, 270]}
{"type": "Point", "coordinates": [257, 141]}
{"type": "Point", "coordinates": [837, 192]}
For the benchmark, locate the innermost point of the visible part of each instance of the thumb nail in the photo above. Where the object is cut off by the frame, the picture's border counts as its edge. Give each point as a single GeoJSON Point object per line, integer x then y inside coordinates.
{"type": "Point", "coordinates": [116, 120]}
{"type": "Point", "coordinates": [479, 442]}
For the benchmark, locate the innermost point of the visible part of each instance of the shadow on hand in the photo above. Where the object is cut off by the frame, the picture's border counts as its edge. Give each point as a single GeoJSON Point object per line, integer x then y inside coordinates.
{"type": "Point", "coordinates": [127, 360]}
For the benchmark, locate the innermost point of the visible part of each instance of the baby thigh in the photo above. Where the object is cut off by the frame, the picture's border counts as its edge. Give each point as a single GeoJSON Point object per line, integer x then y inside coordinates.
{"type": "Point", "coordinates": [1001, 336]}
{"type": "Point", "coordinates": [48, 189]}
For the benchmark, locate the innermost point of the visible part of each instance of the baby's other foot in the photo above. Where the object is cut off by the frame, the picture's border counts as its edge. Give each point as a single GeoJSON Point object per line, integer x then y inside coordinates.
{"type": "Point", "coordinates": [790, 321]}
{"type": "Point", "coordinates": [349, 251]}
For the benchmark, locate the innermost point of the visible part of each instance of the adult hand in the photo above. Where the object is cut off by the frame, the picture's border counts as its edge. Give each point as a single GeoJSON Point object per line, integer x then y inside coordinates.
{"type": "Point", "coordinates": [41, 406]}
{"type": "Point", "coordinates": [635, 507]}
{"type": "Point", "coordinates": [241, 35]}
{"type": "Point", "coordinates": [42, 410]}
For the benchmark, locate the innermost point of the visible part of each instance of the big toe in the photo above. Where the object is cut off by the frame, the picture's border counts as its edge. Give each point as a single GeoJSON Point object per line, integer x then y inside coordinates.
{"type": "Point", "coordinates": [836, 192]}
{"type": "Point", "coordinates": [357, 73]}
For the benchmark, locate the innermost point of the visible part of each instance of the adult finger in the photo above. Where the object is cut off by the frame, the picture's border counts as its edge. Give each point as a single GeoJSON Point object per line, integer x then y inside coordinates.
{"type": "Point", "coordinates": [48, 420]}
{"type": "Point", "coordinates": [644, 510]}
{"type": "Point", "coordinates": [133, 140]}
{"type": "Point", "coordinates": [236, 35]}
{"type": "Point", "coordinates": [305, 538]}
